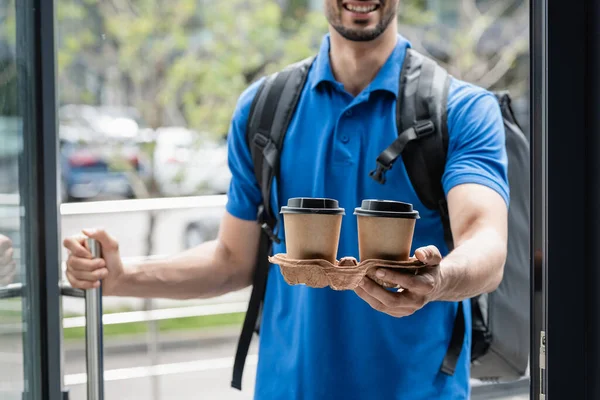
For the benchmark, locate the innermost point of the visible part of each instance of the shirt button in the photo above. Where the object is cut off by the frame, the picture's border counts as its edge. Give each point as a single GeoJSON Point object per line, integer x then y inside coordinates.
{"type": "Point", "coordinates": [345, 139]}
{"type": "Point", "coordinates": [349, 113]}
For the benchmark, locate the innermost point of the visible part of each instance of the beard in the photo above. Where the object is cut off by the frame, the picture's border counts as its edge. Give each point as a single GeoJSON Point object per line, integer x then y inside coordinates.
{"type": "Point", "coordinates": [357, 34]}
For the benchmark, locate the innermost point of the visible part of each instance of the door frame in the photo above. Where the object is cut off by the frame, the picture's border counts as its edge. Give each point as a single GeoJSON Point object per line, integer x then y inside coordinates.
{"type": "Point", "coordinates": [36, 63]}
{"type": "Point", "coordinates": [565, 163]}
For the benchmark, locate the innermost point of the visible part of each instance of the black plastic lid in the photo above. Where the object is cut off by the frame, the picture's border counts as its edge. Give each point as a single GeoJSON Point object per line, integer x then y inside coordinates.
{"type": "Point", "coordinates": [386, 208]}
{"type": "Point", "coordinates": [310, 205]}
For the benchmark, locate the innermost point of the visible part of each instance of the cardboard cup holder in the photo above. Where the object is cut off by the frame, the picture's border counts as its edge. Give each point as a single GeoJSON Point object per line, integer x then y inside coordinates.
{"type": "Point", "coordinates": [313, 227]}
{"type": "Point", "coordinates": [345, 274]}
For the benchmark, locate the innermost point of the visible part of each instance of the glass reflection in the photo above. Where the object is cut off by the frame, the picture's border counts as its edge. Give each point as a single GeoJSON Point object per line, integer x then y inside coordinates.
{"type": "Point", "coordinates": [12, 318]}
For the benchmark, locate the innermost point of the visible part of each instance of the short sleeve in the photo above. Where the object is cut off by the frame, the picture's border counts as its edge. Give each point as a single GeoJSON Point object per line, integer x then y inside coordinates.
{"type": "Point", "coordinates": [244, 195]}
{"type": "Point", "coordinates": [476, 146]}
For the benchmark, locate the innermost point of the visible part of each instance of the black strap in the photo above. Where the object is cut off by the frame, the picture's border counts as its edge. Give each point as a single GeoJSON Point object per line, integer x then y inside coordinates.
{"type": "Point", "coordinates": [387, 158]}
{"type": "Point", "coordinates": [422, 98]}
{"type": "Point", "coordinates": [258, 291]}
{"type": "Point", "coordinates": [456, 342]}
{"type": "Point", "coordinates": [270, 114]}
{"type": "Point", "coordinates": [445, 218]}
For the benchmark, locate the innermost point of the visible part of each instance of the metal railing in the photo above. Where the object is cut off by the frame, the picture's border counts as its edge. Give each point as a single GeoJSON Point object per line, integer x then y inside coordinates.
{"type": "Point", "coordinates": [160, 314]}
{"type": "Point", "coordinates": [148, 205]}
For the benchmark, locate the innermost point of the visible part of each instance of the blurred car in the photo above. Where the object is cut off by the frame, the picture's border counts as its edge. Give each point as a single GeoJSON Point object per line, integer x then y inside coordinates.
{"type": "Point", "coordinates": [188, 163]}
{"type": "Point", "coordinates": [94, 171]}
{"type": "Point", "coordinates": [101, 153]}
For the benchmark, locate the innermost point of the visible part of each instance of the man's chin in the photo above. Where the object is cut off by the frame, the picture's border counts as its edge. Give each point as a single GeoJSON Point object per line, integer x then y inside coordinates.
{"type": "Point", "coordinates": [358, 34]}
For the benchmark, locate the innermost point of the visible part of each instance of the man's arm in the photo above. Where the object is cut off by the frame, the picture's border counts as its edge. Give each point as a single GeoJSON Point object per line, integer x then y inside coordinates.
{"type": "Point", "coordinates": [478, 217]}
{"type": "Point", "coordinates": [210, 269]}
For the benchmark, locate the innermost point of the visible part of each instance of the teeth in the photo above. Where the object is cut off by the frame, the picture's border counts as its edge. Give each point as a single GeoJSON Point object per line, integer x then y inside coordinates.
{"type": "Point", "coordinates": [361, 9]}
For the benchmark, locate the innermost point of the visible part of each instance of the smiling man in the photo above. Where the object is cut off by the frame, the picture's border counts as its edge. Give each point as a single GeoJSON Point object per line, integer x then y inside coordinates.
{"type": "Point", "coordinates": [370, 343]}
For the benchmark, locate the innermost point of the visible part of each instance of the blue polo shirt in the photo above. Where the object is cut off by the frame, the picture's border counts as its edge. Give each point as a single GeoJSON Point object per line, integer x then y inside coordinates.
{"type": "Point", "coordinates": [325, 344]}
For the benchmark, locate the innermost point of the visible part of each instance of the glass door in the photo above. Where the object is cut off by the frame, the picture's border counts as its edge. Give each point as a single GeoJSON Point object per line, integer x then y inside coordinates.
{"type": "Point", "coordinates": [29, 295]}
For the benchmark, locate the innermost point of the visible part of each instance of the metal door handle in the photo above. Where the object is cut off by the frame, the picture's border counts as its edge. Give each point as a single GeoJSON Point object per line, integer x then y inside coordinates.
{"type": "Point", "coordinates": [94, 347]}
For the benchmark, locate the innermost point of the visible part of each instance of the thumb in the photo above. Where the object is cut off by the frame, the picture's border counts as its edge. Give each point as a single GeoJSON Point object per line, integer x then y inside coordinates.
{"type": "Point", "coordinates": [107, 242]}
{"type": "Point", "coordinates": [429, 255]}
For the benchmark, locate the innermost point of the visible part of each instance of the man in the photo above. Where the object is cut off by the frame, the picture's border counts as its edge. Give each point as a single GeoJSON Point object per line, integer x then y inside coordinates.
{"type": "Point", "coordinates": [370, 343]}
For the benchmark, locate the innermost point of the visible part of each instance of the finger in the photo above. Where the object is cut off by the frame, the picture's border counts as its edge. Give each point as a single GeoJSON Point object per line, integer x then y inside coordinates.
{"type": "Point", "coordinates": [372, 301]}
{"type": "Point", "coordinates": [422, 283]}
{"type": "Point", "coordinates": [76, 283]}
{"type": "Point", "coordinates": [92, 276]}
{"type": "Point", "coordinates": [76, 246]}
{"type": "Point", "coordinates": [107, 242]}
{"type": "Point", "coordinates": [387, 298]}
{"type": "Point", "coordinates": [84, 264]}
{"type": "Point", "coordinates": [379, 306]}
{"type": "Point", "coordinates": [429, 255]}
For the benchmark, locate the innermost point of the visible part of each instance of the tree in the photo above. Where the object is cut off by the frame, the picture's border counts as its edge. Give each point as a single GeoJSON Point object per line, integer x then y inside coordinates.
{"type": "Point", "coordinates": [485, 45]}
{"type": "Point", "coordinates": [173, 60]}
{"type": "Point", "coordinates": [183, 62]}
{"type": "Point", "coordinates": [9, 84]}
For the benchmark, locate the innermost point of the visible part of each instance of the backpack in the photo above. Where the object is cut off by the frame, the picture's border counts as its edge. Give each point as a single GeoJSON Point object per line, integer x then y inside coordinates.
{"type": "Point", "coordinates": [500, 320]}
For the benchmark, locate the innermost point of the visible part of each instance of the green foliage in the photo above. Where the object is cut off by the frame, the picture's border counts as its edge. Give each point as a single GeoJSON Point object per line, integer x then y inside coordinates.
{"type": "Point", "coordinates": [187, 61]}
{"type": "Point", "coordinates": [192, 56]}
{"type": "Point", "coordinates": [414, 12]}
{"type": "Point", "coordinates": [164, 326]}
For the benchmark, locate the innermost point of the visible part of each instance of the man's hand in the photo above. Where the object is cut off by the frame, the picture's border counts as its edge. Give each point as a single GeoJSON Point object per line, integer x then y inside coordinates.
{"type": "Point", "coordinates": [8, 267]}
{"type": "Point", "coordinates": [415, 290]}
{"type": "Point", "coordinates": [83, 272]}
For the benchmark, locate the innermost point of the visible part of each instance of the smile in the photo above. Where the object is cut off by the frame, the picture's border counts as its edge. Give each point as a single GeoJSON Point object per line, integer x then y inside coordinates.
{"type": "Point", "coordinates": [361, 8]}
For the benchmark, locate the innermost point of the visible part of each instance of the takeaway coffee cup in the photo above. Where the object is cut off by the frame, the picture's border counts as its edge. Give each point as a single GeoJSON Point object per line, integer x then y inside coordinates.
{"type": "Point", "coordinates": [385, 229]}
{"type": "Point", "coordinates": [312, 228]}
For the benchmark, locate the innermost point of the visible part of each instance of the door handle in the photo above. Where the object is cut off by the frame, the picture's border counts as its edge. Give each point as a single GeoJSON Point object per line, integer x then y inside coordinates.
{"type": "Point", "coordinates": [94, 332]}
{"type": "Point", "coordinates": [94, 347]}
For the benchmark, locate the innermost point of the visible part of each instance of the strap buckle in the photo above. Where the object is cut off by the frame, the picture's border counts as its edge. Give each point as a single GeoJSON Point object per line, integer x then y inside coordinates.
{"type": "Point", "coordinates": [379, 173]}
{"type": "Point", "coordinates": [424, 128]}
{"type": "Point", "coordinates": [265, 226]}
{"type": "Point", "coordinates": [261, 140]}
{"type": "Point", "coordinates": [267, 229]}
{"type": "Point", "coordinates": [386, 159]}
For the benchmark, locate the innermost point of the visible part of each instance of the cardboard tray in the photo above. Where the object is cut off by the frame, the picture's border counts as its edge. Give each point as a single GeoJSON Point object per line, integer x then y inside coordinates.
{"type": "Point", "coordinates": [345, 274]}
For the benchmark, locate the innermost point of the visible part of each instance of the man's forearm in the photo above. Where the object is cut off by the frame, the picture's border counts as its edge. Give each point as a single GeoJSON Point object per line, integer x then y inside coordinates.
{"type": "Point", "coordinates": [202, 272]}
{"type": "Point", "coordinates": [473, 267]}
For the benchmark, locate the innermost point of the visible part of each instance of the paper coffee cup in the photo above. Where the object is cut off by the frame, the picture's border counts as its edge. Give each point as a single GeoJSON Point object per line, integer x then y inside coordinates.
{"type": "Point", "coordinates": [312, 228]}
{"type": "Point", "coordinates": [385, 229]}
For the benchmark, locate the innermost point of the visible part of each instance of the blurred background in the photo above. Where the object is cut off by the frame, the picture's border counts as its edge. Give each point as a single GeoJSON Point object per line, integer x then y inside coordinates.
{"type": "Point", "coordinates": [146, 90]}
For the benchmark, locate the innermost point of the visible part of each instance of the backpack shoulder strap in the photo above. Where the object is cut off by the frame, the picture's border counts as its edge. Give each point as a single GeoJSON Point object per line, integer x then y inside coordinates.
{"type": "Point", "coordinates": [424, 97]}
{"type": "Point", "coordinates": [422, 132]}
{"type": "Point", "coordinates": [421, 118]}
{"type": "Point", "coordinates": [270, 114]}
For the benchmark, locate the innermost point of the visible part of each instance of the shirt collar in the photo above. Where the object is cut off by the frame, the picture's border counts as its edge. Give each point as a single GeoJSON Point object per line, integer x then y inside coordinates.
{"type": "Point", "coordinates": [387, 79]}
